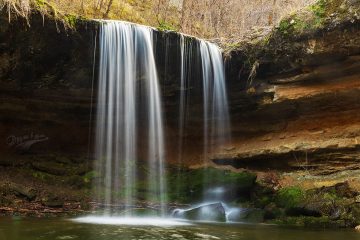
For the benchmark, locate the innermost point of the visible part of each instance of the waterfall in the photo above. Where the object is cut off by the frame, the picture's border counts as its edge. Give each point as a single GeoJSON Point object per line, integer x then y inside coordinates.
{"type": "Point", "coordinates": [130, 136]}
{"type": "Point", "coordinates": [216, 112]}
{"type": "Point", "coordinates": [128, 82]}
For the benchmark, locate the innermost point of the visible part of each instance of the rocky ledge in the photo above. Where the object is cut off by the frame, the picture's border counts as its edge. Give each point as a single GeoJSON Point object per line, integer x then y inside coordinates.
{"type": "Point", "coordinates": [295, 103]}
{"type": "Point", "coordinates": [295, 94]}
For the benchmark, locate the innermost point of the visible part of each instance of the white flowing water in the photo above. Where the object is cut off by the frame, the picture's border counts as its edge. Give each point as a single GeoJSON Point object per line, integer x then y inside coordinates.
{"type": "Point", "coordinates": [127, 66]}
{"type": "Point", "coordinates": [216, 112]}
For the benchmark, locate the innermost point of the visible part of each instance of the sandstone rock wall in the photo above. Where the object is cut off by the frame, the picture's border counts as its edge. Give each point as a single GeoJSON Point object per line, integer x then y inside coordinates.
{"type": "Point", "coordinates": [301, 111]}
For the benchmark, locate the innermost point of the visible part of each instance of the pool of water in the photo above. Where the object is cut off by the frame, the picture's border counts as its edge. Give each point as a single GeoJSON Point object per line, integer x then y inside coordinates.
{"type": "Point", "coordinates": [14, 228]}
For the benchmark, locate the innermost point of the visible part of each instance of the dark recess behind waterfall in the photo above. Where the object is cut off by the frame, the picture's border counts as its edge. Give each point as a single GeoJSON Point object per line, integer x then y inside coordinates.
{"type": "Point", "coordinates": [47, 83]}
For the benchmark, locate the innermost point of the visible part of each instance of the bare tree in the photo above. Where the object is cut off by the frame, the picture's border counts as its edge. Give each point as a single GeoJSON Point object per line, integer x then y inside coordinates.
{"type": "Point", "coordinates": [108, 8]}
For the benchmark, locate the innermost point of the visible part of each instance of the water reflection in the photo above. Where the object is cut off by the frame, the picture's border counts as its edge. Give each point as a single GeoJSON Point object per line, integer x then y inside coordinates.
{"type": "Point", "coordinates": [52, 229]}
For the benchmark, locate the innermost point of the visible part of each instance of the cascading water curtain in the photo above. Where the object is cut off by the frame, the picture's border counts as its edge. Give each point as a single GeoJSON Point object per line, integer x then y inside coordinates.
{"type": "Point", "coordinates": [126, 68]}
{"type": "Point", "coordinates": [216, 110]}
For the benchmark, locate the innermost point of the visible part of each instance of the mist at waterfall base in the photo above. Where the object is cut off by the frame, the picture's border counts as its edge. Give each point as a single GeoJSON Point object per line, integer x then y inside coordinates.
{"type": "Point", "coordinates": [129, 99]}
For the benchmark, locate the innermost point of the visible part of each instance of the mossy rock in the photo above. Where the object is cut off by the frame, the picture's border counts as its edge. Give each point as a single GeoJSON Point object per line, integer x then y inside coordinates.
{"type": "Point", "coordinates": [290, 197]}
{"type": "Point", "coordinates": [23, 191]}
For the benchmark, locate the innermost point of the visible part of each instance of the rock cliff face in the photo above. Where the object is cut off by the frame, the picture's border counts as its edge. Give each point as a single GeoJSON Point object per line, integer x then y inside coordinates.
{"type": "Point", "coordinates": [45, 76]}
{"type": "Point", "coordinates": [300, 114]}
{"type": "Point", "coordinates": [45, 92]}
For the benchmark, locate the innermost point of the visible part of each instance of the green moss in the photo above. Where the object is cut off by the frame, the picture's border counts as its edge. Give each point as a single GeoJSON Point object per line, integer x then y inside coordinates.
{"type": "Point", "coordinates": [330, 196]}
{"type": "Point", "coordinates": [189, 185]}
{"type": "Point", "coordinates": [290, 197]}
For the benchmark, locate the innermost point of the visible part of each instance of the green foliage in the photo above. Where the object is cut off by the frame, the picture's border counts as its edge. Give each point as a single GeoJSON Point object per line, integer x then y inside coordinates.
{"type": "Point", "coordinates": [40, 3]}
{"type": "Point", "coordinates": [294, 25]}
{"type": "Point", "coordinates": [310, 18]}
{"type": "Point", "coordinates": [166, 26]}
{"type": "Point", "coordinates": [71, 20]}
{"type": "Point", "coordinates": [89, 176]}
{"type": "Point", "coordinates": [319, 8]}
{"type": "Point", "coordinates": [285, 26]}
{"type": "Point", "coordinates": [290, 197]}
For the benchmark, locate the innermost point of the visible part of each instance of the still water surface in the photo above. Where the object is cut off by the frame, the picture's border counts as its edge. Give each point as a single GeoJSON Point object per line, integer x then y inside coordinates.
{"type": "Point", "coordinates": [52, 229]}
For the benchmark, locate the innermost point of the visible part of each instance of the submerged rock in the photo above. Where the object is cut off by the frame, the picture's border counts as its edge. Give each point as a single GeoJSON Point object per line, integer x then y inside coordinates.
{"type": "Point", "coordinates": [214, 212]}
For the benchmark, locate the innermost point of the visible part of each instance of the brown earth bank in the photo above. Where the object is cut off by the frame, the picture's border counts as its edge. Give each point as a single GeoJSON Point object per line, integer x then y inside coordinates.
{"type": "Point", "coordinates": [294, 101]}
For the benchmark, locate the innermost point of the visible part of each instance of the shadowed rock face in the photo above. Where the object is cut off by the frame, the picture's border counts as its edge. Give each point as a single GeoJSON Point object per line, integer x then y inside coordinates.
{"type": "Point", "coordinates": [45, 77]}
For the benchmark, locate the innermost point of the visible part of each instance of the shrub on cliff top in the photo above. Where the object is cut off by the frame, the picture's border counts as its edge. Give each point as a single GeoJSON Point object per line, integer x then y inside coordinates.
{"type": "Point", "coordinates": [318, 15]}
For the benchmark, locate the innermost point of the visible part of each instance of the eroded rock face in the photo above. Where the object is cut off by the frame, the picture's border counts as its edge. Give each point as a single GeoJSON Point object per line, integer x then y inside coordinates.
{"type": "Point", "coordinates": [300, 115]}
